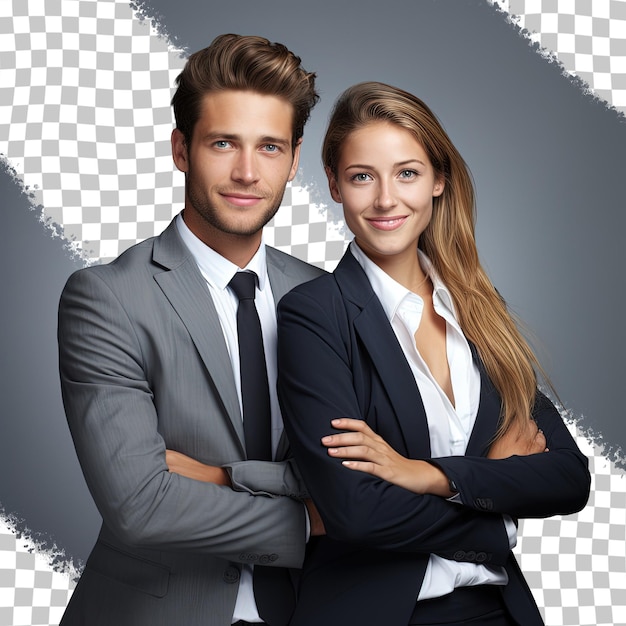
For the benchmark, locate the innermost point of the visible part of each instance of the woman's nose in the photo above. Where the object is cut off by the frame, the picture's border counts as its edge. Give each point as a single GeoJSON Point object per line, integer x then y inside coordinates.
{"type": "Point", "coordinates": [385, 199]}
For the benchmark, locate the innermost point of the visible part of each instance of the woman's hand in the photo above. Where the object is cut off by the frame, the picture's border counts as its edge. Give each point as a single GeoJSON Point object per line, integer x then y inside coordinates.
{"type": "Point", "coordinates": [521, 442]}
{"type": "Point", "coordinates": [179, 463]}
{"type": "Point", "coordinates": [365, 451]}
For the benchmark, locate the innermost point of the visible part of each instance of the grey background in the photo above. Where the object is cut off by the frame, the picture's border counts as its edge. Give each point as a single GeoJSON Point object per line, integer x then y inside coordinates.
{"type": "Point", "coordinates": [548, 163]}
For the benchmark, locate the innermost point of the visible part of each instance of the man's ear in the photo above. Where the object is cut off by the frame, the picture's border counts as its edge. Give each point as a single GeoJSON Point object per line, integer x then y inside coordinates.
{"type": "Point", "coordinates": [296, 159]}
{"type": "Point", "coordinates": [180, 154]}
{"type": "Point", "coordinates": [335, 194]}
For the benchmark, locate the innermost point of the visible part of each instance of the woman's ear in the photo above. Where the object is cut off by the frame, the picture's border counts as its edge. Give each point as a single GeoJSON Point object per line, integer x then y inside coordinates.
{"type": "Point", "coordinates": [439, 186]}
{"type": "Point", "coordinates": [332, 185]}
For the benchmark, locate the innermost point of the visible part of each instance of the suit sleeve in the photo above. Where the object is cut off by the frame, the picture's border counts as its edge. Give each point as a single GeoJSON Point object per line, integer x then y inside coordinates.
{"type": "Point", "coordinates": [315, 385]}
{"type": "Point", "coordinates": [273, 479]}
{"type": "Point", "coordinates": [114, 424]}
{"type": "Point", "coordinates": [539, 485]}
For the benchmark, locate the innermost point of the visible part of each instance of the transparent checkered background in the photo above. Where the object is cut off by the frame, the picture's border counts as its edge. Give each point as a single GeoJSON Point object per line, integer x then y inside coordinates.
{"type": "Point", "coordinates": [85, 123]}
{"type": "Point", "coordinates": [587, 37]}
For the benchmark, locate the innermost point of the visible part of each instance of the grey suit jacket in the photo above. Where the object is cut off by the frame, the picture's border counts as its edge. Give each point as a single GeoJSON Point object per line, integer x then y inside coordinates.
{"type": "Point", "coordinates": [144, 367]}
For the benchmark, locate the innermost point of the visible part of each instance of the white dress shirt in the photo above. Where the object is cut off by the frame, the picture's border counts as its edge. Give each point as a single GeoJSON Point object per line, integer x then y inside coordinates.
{"type": "Point", "coordinates": [218, 271]}
{"type": "Point", "coordinates": [449, 426]}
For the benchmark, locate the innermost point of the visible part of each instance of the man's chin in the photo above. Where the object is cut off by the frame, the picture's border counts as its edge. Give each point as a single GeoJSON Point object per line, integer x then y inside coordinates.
{"type": "Point", "coordinates": [244, 228]}
{"type": "Point", "coordinates": [249, 225]}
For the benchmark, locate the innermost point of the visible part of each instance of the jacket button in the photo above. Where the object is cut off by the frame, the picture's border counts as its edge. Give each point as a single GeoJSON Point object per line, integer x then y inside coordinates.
{"type": "Point", "coordinates": [265, 559]}
{"type": "Point", "coordinates": [459, 555]}
{"type": "Point", "coordinates": [481, 557]}
{"type": "Point", "coordinates": [230, 575]}
{"type": "Point", "coordinates": [486, 504]}
{"type": "Point", "coordinates": [470, 556]}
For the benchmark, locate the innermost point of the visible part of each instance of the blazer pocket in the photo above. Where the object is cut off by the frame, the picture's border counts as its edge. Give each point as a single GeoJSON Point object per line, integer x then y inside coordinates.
{"type": "Point", "coordinates": [146, 576]}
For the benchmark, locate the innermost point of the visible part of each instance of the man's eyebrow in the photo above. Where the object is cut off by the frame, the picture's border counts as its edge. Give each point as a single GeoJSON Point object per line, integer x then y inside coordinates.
{"type": "Point", "coordinates": [277, 140]}
{"type": "Point", "coordinates": [216, 135]}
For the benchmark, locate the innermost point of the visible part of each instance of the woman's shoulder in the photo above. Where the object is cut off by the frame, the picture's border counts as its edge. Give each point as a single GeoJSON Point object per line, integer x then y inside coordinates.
{"type": "Point", "coordinates": [321, 289]}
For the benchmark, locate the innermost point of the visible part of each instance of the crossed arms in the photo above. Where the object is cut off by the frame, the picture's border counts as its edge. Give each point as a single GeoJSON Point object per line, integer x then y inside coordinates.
{"type": "Point", "coordinates": [360, 507]}
{"type": "Point", "coordinates": [132, 385]}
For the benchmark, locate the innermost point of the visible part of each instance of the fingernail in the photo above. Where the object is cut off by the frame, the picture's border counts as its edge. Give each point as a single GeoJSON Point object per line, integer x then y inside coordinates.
{"type": "Point", "coordinates": [327, 439]}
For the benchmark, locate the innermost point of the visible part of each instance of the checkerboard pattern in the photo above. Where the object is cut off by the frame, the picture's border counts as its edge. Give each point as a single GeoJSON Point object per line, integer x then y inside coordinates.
{"type": "Point", "coordinates": [86, 85]}
{"type": "Point", "coordinates": [588, 39]}
{"type": "Point", "coordinates": [31, 590]}
{"type": "Point", "coordinates": [576, 564]}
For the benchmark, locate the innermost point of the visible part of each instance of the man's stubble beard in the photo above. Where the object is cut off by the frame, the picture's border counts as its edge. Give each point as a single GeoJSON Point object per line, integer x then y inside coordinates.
{"type": "Point", "coordinates": [205, 209]}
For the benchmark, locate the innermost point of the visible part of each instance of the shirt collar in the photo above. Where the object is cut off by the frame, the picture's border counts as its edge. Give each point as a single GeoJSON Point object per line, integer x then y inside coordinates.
{"type": "Point", "coordinates": [218, 270]}
{"type": "Point", "coordinates": [390, 292]}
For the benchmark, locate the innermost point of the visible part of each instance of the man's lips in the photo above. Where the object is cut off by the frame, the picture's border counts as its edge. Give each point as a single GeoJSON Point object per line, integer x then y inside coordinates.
{"type": "Point", "coordinates": [241, 199]}
{"type": "Point", "coordinates": [387, 223]}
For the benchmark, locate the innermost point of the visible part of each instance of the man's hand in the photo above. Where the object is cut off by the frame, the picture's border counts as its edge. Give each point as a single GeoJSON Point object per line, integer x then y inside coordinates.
{"type": "Point", "coordinates": [184, 465]}
{"type": "Point", "coordinates": [521, 442]}
{"type": "Point", "coordinates": [317, 525]}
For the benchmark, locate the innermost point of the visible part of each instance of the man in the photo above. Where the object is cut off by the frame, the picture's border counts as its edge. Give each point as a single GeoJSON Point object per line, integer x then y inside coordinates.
{"type": "Point", "coordinates": [149, 361]}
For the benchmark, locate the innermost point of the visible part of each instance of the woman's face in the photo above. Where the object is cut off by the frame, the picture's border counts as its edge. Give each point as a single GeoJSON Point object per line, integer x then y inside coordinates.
{"type": "Point", "coordinates": [386, 184]}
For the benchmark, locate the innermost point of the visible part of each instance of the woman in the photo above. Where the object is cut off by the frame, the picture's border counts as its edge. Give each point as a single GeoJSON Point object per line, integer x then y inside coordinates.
{"type": "Point", "coordinates": [409, 396]}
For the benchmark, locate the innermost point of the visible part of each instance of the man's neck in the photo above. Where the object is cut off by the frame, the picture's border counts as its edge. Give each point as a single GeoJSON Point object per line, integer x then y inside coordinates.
{"type": "Point", "coordinates": [238, 249]}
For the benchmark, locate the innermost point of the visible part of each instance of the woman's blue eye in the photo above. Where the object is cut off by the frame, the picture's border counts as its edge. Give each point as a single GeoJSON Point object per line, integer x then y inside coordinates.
{"type": "Point", "coordinates": [408, 173]}
{"type": "Point", "coordinates": [361, 177]}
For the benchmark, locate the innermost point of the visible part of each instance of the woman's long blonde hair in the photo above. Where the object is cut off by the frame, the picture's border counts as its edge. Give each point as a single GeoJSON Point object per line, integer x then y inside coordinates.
{"type": "Point", "coordinates": [449, 240]}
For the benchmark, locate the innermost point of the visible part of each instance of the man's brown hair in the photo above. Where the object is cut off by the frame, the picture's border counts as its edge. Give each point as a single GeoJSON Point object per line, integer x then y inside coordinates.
{"type": "Point", "coordinates": [246, 63]}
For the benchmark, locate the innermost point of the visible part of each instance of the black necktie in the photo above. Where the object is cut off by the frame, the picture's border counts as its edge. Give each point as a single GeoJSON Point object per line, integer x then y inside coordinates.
{"type": "Point", "coordinates": [255, 395]}
{"type": "Point", "coordinates": [273, 589]}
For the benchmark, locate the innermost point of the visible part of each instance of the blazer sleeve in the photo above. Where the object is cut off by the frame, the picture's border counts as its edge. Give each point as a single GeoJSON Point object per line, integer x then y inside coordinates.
{"type": "Point", "coordinates": [111, 413]}
{"type": "Point", "coordinates": [538, 485]}
{"type": "Point", "coordinates": [315, 385]}
{"type": "Point", "coordinates": [272, 479]}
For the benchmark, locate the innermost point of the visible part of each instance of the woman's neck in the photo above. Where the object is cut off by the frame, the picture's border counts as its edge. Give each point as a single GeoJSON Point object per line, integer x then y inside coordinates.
{"type": "Point", "coordinates": [404, 269]}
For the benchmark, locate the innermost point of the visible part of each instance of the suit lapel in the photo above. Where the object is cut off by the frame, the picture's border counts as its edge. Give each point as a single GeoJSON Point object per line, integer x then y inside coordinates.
{"type": "Point", "coordinates": [187, 292]}
{"type": "Point", "coordinates": [380, 341]}
{"type": "Point", "coordinates": [376, 334]}
{"type": "Point", "coordinates": [488, 414]}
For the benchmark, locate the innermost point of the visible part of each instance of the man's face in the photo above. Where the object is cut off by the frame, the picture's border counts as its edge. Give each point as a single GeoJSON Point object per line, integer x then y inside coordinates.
{"type": "Point", "coordinates": [237, 165]}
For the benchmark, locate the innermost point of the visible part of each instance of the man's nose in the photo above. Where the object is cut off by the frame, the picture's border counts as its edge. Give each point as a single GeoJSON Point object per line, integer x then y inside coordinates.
{"type": "Point", "coordinates": [245, 169]}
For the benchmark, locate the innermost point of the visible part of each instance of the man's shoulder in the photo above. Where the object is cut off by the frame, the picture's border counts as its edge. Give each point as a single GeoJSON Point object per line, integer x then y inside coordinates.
{"type": "Point", "coordinates": [134, 265]}
{"type": "Point", "coordinates": [293, 264]}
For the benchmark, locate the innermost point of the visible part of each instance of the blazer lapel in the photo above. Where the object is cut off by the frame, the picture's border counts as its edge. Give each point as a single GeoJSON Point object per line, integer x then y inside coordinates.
{"type": "Point", "coordinates": [488, 416]}
{"type": "Point", "coordinates": [187, 292]}
{"type": "Point", "coordinates": [378, 338]}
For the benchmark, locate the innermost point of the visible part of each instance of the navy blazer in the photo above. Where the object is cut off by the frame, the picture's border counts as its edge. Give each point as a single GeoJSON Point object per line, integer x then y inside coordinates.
{"type": "Point", "coordinates": [339, 357]}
